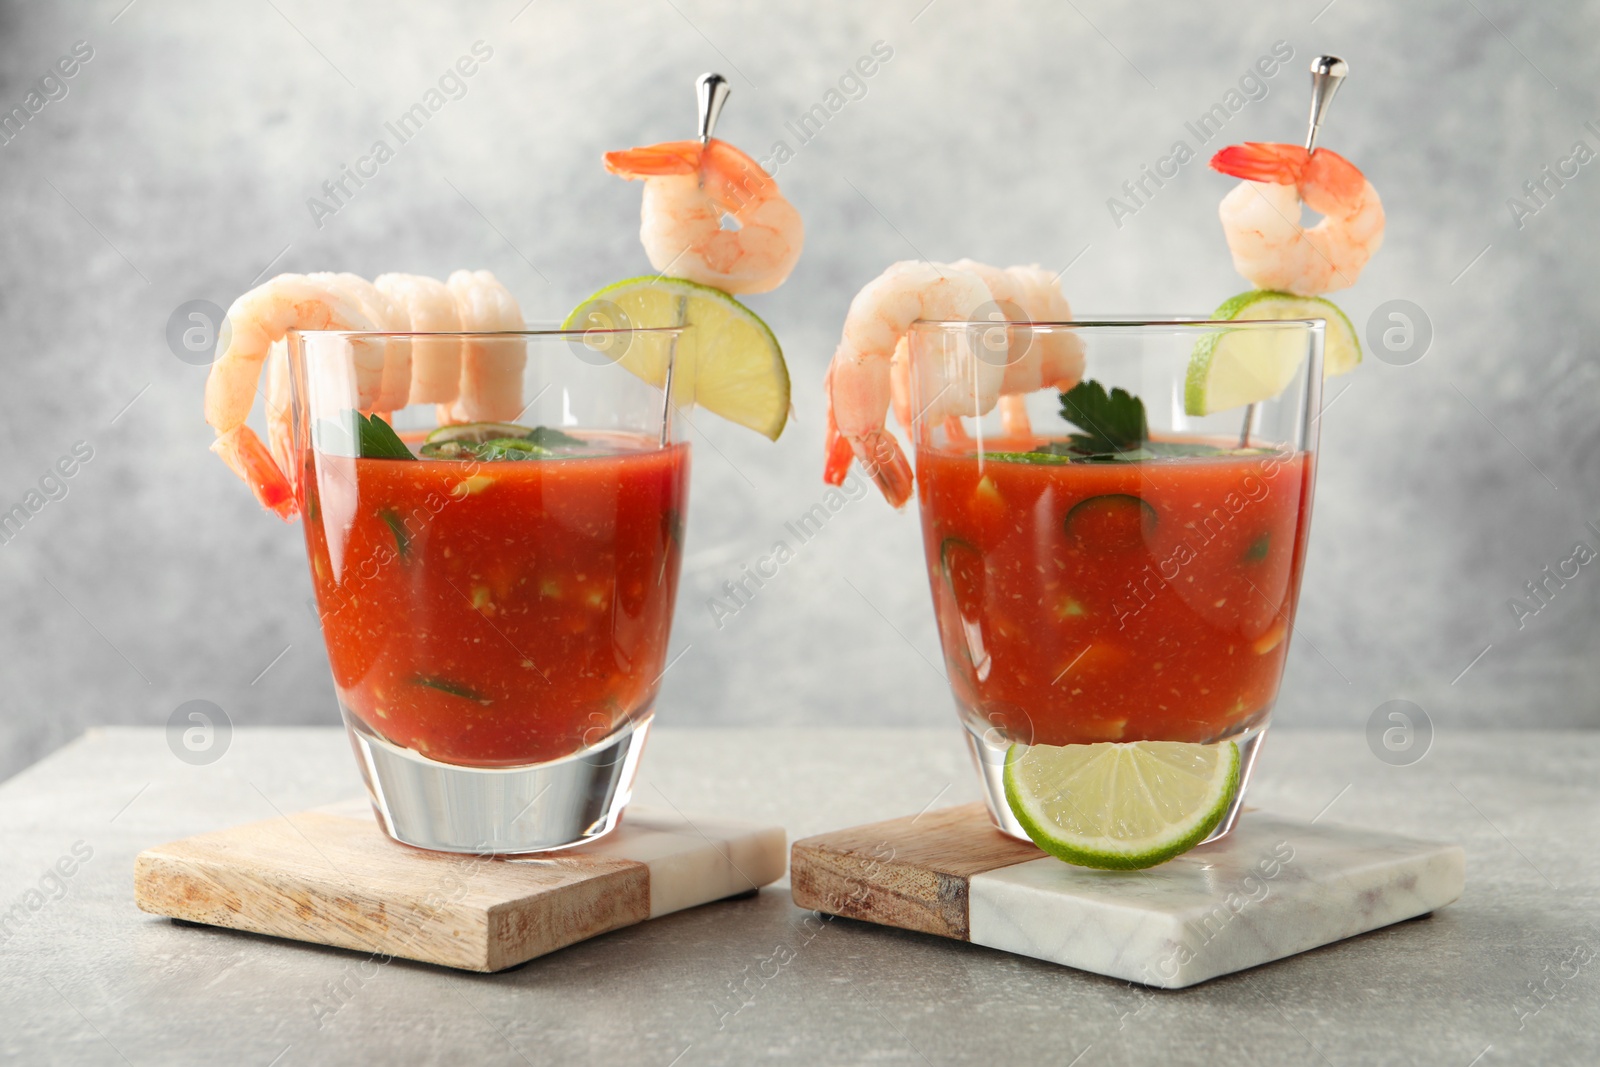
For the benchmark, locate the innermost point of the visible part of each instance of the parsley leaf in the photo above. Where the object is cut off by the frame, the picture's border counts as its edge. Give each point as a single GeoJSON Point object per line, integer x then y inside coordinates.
{"type": "Point", "coordinates": [1111, 422]}
{"type": "Point", "coordinates": [1113, 430]}
{"type": "Point", "coordinates": [378, 440]}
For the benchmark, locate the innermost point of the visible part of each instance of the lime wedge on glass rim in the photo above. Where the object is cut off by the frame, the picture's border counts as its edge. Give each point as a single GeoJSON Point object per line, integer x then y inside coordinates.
{"type": "Point", "coordinates": [730, 363]}
{"type": "Point", "coordinates": [1232, 368]}
{"type": "Point", "coordinates": [1120, 806]}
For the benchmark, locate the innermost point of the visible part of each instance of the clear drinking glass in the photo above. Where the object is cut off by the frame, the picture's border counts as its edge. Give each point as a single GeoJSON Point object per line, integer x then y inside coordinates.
{"type": "Point", "coordinates": [496, 597]}
{"type": "Point", "coordinates": [1150, 597]}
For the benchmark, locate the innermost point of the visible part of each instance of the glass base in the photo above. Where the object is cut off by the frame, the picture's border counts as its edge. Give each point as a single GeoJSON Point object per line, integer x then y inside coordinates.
{"type": "Point", "coordinates": [989, 754]}
{"type": "Point", "coordinates": [498, 810]}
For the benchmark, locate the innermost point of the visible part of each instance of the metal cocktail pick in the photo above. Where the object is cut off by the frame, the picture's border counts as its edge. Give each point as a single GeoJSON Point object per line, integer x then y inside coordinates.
{"type": "Point", "coordinates": [712, 91]}
{"type": "Point", "coordinates": [1327, 72]}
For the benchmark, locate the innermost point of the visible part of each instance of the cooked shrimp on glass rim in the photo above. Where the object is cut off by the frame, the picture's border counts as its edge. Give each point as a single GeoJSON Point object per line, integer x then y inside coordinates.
{"type": "Point", "coordinates": [252, 330]}
{"type": "Point", "coordinates": [465, 378]}
{"type": "Point", "coordinates": [870, 373]}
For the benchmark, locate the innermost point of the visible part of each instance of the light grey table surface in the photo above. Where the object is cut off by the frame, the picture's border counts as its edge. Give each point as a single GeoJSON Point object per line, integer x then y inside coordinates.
{"type": "Point", "coordinates": [87, 978]}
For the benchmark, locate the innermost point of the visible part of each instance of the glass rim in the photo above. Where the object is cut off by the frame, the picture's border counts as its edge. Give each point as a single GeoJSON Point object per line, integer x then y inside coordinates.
{"type": "Point", "coordinates": [932, 325]}
{"type": "Point", "coordinates": [575, 335]}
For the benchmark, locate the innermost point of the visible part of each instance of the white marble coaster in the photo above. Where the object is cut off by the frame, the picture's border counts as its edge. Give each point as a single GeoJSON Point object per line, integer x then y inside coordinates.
{"type": "Point", "coordinates": [1272, 888]}
{"type": "Point", "coordinates": [693, 860]}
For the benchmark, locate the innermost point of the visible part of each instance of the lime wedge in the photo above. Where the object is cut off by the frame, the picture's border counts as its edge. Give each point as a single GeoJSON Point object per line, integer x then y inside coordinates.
{"type": "Point", "coordinates": [1120, 806]}
{"type": "Point", "coordinates": [476, 433]}
{"type": "Point", "coordinates": [1232, 369]}
{"type": "Point", "coordinates": [729, 363]}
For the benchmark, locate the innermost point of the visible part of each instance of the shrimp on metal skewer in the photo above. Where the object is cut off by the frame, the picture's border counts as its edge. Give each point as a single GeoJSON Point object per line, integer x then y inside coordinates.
{"type": "Point", "coordinates": [253, 324]}
{"type": "Point", "coordinates": [1261, 217]}
{"type": "Point", "coordinates": [688, 187]}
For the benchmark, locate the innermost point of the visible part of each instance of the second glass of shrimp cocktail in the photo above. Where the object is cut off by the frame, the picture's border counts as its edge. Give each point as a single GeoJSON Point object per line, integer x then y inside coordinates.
{"type": "Point", "coordinates": [1118, 561]}
{"type": "Point", "coordinates": [495, 572]}
{"type": "Point", "coordinates": [1115, 512]}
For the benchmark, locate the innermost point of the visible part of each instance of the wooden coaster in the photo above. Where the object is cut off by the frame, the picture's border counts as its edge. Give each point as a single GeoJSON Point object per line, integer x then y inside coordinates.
{"type": "Point", "coordinates": [332, 877]}
{"type": "Point", "coordinates": [1272, 888]}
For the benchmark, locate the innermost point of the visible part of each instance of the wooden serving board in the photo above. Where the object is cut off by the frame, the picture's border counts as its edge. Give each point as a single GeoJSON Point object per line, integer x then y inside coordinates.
{"type": "Point", "coordinates": [332, 877]}
{"type": "Point", "coordinates": [1272, 888]}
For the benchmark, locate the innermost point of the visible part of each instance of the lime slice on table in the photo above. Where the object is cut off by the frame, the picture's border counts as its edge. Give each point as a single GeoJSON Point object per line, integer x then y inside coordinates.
{"type": "Point", "coordinates": [1120, 806]}
{"type": "Point", "coordinates": [1230, 369]}
{"type": "Point", "coordinates": [730, 363]}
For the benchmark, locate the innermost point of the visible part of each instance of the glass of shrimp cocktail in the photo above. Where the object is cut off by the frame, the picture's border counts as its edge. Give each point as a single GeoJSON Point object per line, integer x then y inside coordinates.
{"type": "Point", "coordinates": [495, 575]}
{"type": "Point", "coordinates": [1118, 561]}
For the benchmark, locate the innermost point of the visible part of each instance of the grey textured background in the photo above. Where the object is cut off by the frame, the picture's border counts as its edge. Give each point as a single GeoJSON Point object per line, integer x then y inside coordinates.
{"type": "Point", "coordinates": [179, 164]}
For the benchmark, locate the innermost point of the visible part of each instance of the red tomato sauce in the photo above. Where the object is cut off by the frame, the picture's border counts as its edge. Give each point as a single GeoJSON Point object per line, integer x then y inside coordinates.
{"type": "Point", "coordinates": [1117, 601]}
{"type": "Point", "coordinates": [498, 613]}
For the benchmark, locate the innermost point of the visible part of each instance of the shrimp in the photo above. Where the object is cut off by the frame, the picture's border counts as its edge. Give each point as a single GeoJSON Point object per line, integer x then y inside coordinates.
{"type": "Point", "coordinates": [427, 306]}
{"type": "Point", "coordinates": [1002, 301]}
{"type": "Point", "coordinates": [1261, 217]}
{"type": "Point", "coordinates": [688, 188]}
{"type": "Point", "coordinates": [491, 371]}
{"type": "Point", "coordinates": [254, 322]}
{"type": "Point", "coordinates": [280, 425]}
{"type": "Point", "coordinates": [1034, 360]}
{"type": "Point", "coordinates": [395, 386]}
{"type": "Point", "coordinates": [1053, 359]}
{"type": "Point", "coordinates": [859, 380]}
